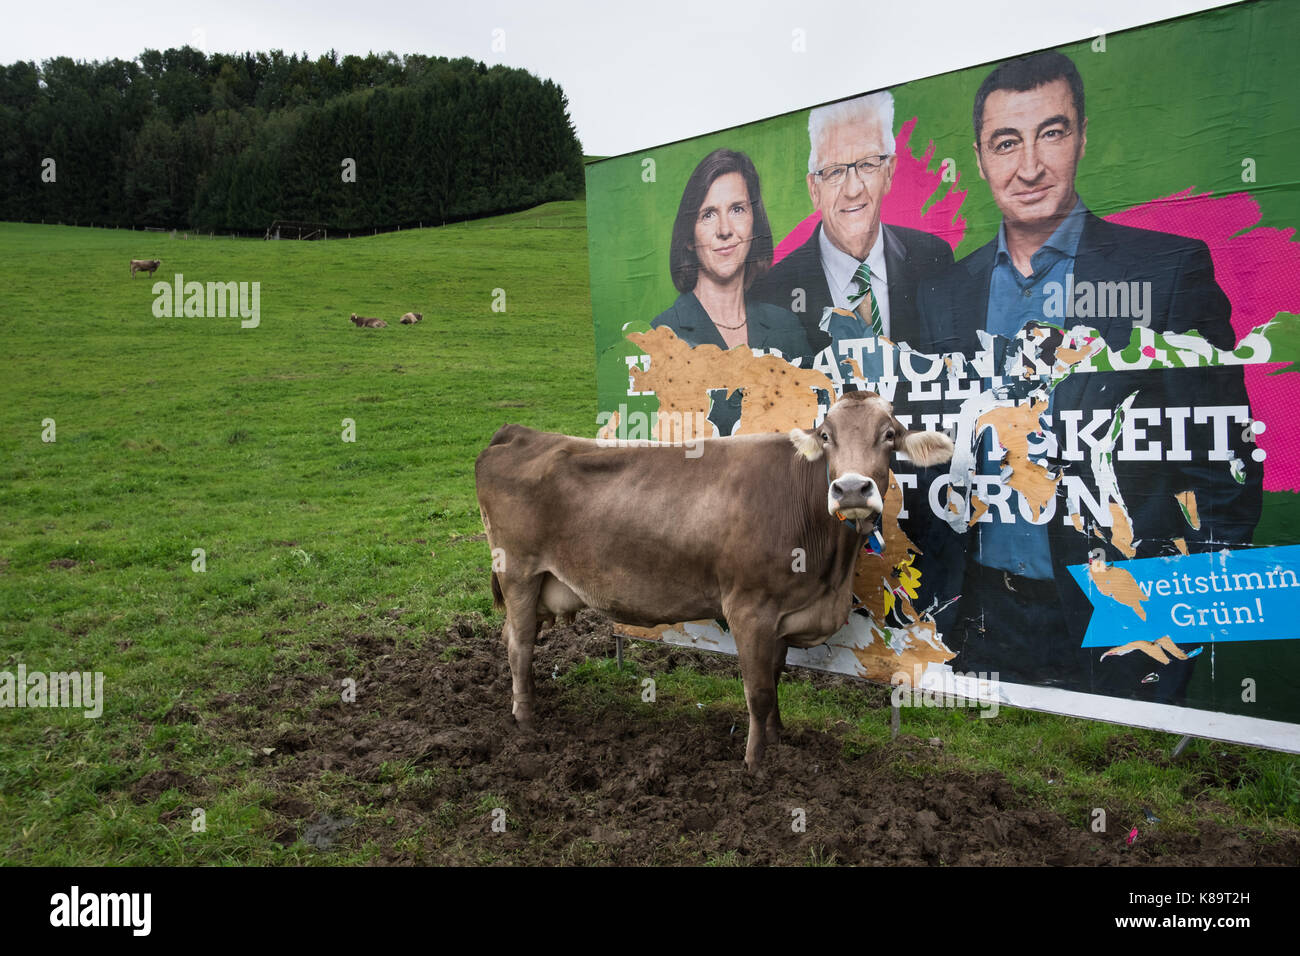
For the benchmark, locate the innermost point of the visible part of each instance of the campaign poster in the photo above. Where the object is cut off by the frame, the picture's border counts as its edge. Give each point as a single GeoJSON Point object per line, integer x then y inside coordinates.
{"type": "Point", "coordinates": [1081, 264]}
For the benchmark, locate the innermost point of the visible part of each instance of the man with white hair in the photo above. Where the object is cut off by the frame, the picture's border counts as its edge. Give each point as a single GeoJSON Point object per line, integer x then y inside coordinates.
{"type": "Point", "coordinates": [852, 262]}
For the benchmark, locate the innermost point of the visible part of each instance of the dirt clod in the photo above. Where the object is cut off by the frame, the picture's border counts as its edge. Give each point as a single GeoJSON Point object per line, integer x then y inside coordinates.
{"type": "Point", "coordinates": [432, 756]}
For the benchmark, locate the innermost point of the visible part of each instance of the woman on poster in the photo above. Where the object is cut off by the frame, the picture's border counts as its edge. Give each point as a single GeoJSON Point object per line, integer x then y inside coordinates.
{"type": "Point", "coordinates": [721, 243]}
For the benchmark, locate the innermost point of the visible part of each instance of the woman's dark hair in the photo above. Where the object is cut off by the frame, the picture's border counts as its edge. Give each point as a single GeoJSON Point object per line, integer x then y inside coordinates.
{"type": "Point", "coordinates": [682, 261]}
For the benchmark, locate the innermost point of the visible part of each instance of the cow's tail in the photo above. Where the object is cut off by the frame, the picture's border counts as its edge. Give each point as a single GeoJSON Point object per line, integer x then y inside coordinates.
{"type": "Point", "coordinates": [498, 598]}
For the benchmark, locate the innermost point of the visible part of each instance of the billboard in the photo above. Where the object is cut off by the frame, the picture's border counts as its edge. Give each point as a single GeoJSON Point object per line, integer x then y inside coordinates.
{"type": "Point", "coordinates": [1079, 263]}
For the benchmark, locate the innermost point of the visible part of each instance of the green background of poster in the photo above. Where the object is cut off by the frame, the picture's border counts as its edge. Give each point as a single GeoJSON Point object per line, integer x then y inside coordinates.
{"type": "Point", "coordinates": [1171, 106]}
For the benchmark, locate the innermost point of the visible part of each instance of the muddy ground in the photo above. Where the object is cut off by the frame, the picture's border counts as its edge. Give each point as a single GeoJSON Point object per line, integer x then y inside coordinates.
{"type": "Point", "coordinates": [431, 753]}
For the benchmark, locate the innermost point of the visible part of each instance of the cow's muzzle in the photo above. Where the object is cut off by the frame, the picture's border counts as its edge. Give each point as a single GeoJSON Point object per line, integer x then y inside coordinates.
{"type": "Point", "coordinates": [854, 496]}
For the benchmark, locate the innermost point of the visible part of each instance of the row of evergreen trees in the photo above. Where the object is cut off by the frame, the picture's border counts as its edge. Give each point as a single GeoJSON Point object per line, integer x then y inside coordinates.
{"type": "Point", "coordinates": [230, 142]}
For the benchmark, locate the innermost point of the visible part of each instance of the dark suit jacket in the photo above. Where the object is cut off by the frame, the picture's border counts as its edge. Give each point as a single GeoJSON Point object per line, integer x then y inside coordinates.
{"type": "Point", "coordinates": [1184, 296]}
{"type": "Point", "coordinates": [911, 256]}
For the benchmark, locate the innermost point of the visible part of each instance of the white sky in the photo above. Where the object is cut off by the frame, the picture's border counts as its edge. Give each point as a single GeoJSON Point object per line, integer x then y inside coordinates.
{"type": "Point", "coordinates": [636, 74]}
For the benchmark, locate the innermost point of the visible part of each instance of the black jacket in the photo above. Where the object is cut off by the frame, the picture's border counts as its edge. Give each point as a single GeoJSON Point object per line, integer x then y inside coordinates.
{"type": "Point", "coordinates": [911, 256]}
{"type": "Point", "coordinates": [1183, 296]}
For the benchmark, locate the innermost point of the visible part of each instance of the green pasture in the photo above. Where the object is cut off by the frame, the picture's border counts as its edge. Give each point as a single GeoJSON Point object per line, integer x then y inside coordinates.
{"type": "Point", "coordinates": [174, 434]}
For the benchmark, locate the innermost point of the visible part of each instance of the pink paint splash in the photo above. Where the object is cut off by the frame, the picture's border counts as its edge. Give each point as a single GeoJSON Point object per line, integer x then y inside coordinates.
{"type": "Point", "coordinates": [1258, 269]}
{"type": "Point", "coordinates": [913, 185]}
{"type": "Point", "coordinates": [796, 237]}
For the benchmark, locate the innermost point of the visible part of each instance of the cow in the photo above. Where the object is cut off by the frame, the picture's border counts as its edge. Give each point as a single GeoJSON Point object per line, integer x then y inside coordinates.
{"type": "Point", "coordinates": [650, 535]}
{"type": "Point", "coordinates": [144, 265]}
{"type": "Point", "coordinates": [363, 322]}
{"type": "Point", "coordinates": [412, 317]}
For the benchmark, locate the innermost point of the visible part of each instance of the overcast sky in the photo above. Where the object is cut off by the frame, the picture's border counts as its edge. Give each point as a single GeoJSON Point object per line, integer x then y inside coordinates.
{"type": "Point", "coordinates": [636, 74]}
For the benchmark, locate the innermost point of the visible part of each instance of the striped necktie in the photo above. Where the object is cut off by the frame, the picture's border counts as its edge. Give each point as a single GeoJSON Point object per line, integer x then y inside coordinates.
{"type": "Point", "coordinates": [863, 277]}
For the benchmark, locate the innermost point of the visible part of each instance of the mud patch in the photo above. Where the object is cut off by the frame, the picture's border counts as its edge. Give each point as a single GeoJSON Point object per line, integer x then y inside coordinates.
{"type": "Point", "coordinates": [428, 766]}
{"type": "Point", "coordinates": [153, 785]}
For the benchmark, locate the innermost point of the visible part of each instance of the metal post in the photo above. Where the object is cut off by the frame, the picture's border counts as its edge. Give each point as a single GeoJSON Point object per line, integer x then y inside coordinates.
{"type": "Point", "coordinates": [618, 639]}
{"type": "Point", "coordinates": [1179, 747]}
{"type": "Point", "coordinates": [895, 713]}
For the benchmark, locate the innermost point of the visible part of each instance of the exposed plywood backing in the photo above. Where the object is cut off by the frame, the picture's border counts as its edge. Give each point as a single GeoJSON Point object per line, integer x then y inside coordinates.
{"type": "Point", "coordinates": [1119, 584]}
{"type": "Point", "coordinates": [777, 395]}
{"type": "Point", "coordinates": [1014, 425]}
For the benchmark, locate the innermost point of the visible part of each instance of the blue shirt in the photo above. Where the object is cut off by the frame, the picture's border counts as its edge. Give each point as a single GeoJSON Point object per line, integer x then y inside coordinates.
{"type": "Point", "coordinates": [1014, 300]}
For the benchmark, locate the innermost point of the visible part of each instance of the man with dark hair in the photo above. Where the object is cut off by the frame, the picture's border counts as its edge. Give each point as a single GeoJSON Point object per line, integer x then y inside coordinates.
{"type": "Point", "coordinates": [1028, 73]}
{"type": "Point", "coordinates": [1021, 614]}
{"type": "Point", "coordinates": [852, 262]}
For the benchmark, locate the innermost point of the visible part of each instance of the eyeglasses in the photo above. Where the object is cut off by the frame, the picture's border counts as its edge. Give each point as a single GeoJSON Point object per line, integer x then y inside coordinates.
{"type": "Point", "coordinates": [834, 174]}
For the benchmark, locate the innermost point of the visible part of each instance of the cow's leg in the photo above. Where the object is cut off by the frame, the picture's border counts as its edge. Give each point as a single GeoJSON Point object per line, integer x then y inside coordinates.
{"type": "Point", "coordinates": [774, 726]}
{"type": "Point", "coordinates": [520, 632]}
{"type": "Point", "coordinates": [761, 651]}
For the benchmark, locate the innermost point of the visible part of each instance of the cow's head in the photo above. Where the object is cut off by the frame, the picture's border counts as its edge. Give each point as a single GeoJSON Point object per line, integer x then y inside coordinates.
{"type": "Point", "coordinates": [857, 439]}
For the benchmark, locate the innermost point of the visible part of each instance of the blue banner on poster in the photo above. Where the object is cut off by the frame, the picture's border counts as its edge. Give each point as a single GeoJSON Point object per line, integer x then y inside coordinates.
{"type": "Point", "coordinates": [1243, 595]}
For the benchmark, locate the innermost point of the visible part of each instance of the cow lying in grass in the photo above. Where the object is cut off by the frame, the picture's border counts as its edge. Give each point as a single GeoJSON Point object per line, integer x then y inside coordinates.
{"type": "Point", "coordinates": [412, 317]}
{"type": "Point", "coordinates": [144, 265]}
{"type": "Point", "coordinates": [363, 322]}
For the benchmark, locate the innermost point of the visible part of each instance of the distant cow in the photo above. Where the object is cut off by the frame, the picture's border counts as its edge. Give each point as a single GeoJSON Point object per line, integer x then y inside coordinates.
{"type": "Point", "coordinates": [412, 317]}
{"type": "Point", "coordinates": [144, 265]}
{"type": "Point", "coordinates": [368, 323]}
{"type": "Point", "coordinates": [650, 535]}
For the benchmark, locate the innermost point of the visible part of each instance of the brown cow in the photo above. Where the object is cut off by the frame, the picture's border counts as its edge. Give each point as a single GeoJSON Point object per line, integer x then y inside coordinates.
{"type": "Point", "coordinates": [144, 265]}
{"type": "Point", "coordinates": [362, 322]}
{"type": "Point", "coordinates": [412, 317]}
{"type": "Point", "coordinates": [652, 535]}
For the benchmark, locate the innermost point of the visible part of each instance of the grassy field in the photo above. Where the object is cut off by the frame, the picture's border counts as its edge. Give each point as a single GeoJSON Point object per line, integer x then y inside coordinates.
{"type": "Point", "coordinates": [177, 434]}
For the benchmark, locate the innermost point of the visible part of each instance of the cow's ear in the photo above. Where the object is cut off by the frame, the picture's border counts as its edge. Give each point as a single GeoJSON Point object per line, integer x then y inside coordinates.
{"type": "Point", "coordinates": [806, 443]}
{"type": "Point", "coordinates": [924, 448]}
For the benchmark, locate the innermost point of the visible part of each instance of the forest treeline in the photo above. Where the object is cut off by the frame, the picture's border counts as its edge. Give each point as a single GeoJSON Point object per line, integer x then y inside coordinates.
{"type": "Point", "coordinates": [181, 138]}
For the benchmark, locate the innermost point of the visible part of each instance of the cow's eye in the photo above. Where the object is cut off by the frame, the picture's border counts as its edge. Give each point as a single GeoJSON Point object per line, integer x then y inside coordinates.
{"type": "Point", "coordinates": [889, 435]}
{"type": "Point", "coordinates": [826, 437]}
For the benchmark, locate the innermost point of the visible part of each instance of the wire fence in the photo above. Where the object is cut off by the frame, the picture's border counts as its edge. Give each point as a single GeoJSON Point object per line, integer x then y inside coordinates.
{"type": "Point", "coordinates": [286, 229]}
